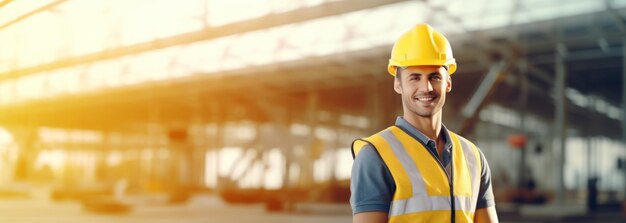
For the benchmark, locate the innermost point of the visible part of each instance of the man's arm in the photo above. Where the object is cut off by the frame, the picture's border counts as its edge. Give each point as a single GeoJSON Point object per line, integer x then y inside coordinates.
{"type": "Point", "coordinates": [486, 209]}
{"type": "Point", "coordinates": [486, 215]}
{"type": "Point", "coordinates": [371, 187]}
{"type": "Point", "coordinates": [370, 217]}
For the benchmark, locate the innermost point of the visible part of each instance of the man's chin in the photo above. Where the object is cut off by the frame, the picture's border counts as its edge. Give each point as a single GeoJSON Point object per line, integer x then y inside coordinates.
{"type": "Point", "coordinates": [424, 114]}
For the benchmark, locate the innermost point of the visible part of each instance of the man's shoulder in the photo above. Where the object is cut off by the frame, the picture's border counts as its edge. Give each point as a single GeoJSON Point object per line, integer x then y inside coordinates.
{"type": "Point", "coordinates": [367, 142]}
{"type": "Point", "coordinates": [371, 183]}
{"type": "Point", "coordinates": [367, 153]}
{"type": "Point", "coordinates": [369, 161]}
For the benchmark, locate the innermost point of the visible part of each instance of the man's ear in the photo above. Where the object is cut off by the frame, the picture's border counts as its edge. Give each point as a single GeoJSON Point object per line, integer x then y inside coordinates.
{"type": "Point", "coordinates": [397, 85]}
{"type": "Point", "coordinates": [449, 87]}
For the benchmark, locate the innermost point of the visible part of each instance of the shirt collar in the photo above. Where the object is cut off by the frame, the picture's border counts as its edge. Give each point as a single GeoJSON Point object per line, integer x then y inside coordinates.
{"type": "Point", "coordinates": [404, 124]}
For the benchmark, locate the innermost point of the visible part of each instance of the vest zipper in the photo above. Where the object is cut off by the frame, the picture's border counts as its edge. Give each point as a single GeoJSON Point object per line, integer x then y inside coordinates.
{"type": "Point", "coordinates": [452, 200]}
{"type": "Point", "coordinates": [450, 180]}
{"type": "Point", "coordinates": [450, 177]}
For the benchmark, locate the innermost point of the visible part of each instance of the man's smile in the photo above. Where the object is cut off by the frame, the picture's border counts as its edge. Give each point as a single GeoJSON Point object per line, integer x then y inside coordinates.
{"type": "Point", "coordinates": [427, 99]}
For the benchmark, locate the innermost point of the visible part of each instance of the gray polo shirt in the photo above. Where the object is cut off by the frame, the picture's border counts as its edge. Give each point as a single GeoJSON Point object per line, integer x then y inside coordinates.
{"type": "Point", "coordinates": [372, 185]}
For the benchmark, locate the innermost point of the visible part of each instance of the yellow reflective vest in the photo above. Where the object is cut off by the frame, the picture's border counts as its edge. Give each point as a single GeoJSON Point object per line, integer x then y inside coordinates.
{"type": "Point", "coordinates": [424, 192]}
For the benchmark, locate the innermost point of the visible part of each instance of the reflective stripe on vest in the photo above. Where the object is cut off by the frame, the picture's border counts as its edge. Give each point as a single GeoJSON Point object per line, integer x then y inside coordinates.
{"type": "Point", "coordinates": [422, 186]}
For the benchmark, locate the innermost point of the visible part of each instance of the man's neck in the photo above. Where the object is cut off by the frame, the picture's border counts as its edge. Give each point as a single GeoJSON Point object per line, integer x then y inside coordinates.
{"type": "Point", "coordinates": [429, 126]}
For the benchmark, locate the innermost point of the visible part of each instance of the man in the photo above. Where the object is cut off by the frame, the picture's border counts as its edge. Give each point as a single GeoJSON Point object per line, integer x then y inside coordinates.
{"type": "Point", "coordinates": [417, 170]}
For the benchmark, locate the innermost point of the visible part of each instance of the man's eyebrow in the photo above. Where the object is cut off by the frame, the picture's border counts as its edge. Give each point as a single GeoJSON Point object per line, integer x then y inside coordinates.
{"type": "Point", "coordinates": [417, 74]}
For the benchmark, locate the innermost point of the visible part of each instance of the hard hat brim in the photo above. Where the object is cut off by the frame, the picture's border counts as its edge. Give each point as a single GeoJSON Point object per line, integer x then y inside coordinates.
{"type": "Point", "coordinates": [450, 64]}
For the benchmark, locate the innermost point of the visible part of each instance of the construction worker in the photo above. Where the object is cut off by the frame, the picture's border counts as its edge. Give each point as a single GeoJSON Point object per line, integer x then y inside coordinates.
{"type": "Point", "coordinates": [418, 170]}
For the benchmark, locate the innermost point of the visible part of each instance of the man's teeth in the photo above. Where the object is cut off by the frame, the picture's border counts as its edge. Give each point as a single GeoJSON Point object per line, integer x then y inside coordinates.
{"type": "Point", "coordinates": [425, 99]}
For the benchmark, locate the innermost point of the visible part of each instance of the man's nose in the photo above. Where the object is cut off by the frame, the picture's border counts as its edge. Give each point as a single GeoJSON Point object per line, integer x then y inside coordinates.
{"type": "Point", "coordinates": [426, 86]}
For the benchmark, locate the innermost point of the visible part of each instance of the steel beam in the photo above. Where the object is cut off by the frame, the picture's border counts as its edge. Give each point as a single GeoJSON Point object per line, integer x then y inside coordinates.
{"type": "Point", "coordinates": [559, 121]}
{"type": "Point", "coordinates": [313, 102]}
{"type": "Point", "coordinates": [5, 2]}
{"type": "Point", "coordinates": [486, 85]}
{"type": "Point", "coordinates": [480, 97]}
{"type": "Point", "coordinates": [298, 15]}
{"type": "Point", "coordinates": [523, 103]}
{"type": "Point", "coordinates": [29, 14]}
{"type": "Point", "coordinates": [616, 16]}
{"type": "Point", "coordinates": [582, 55]}
{"type": "Point", "coordinates": [624, 97]}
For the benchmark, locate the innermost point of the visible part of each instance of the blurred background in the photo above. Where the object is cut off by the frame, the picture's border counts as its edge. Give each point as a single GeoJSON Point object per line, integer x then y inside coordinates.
{"type": "Point", "coordinates": [244, 110]}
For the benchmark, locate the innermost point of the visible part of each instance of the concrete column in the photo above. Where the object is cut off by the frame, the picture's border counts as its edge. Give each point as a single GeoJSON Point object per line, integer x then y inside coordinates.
{"type": "Point", "coordinates": [308, 161]}
{"type": "Point", "coordinates": [375, 112]}
{"type": "Point", "coordinates": [592, 187]}
{"type": "Point", "coordinates": [383, 104]}
{"type": "Point", "coordinates": [197, 146]}
{"type": "Point", "coordinates": [590, 172]}
{"type": "Point", "coordinates": [218, 145]}
{"type": "Point", "coordinates": [559, 121]}
{"type": "Point", "coordinates": [24, 137]}
{"type": "Point", "coordinates": [523, 101]}
{"type": "Point", "coordinates": [624, 97]}
{"type": "Point", "coordinates": [153, 173]}
{"type": "Point", "coordinates": [282, 125]}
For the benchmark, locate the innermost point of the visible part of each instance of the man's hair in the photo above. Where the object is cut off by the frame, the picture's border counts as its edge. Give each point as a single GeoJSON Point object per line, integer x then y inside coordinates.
{"type": "Point", "coordinates": [399, 70]}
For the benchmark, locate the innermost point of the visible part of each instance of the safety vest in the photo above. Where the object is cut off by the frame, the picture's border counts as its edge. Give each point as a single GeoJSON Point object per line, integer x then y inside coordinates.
{"type": "Point", "coordinates": [424, 192]}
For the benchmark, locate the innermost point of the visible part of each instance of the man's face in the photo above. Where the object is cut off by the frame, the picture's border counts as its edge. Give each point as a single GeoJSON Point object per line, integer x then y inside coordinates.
{"type": "Point", "coordinates": [423, 89]}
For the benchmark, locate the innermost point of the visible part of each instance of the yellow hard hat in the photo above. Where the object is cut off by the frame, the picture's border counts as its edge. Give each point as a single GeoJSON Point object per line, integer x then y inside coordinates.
{"type": "Point", "coordinates": [421, 45]}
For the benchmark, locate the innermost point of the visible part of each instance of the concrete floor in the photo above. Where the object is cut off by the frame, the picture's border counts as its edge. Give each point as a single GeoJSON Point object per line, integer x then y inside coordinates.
{"type": "Point", "coordinates": [208, 209]}
{"type": "Point", "coordinates": [34, 211]}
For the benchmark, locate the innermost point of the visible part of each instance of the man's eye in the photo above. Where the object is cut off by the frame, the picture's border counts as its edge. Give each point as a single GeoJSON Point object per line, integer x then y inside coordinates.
{"type": "Point", "coordinates": [435, 78]}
